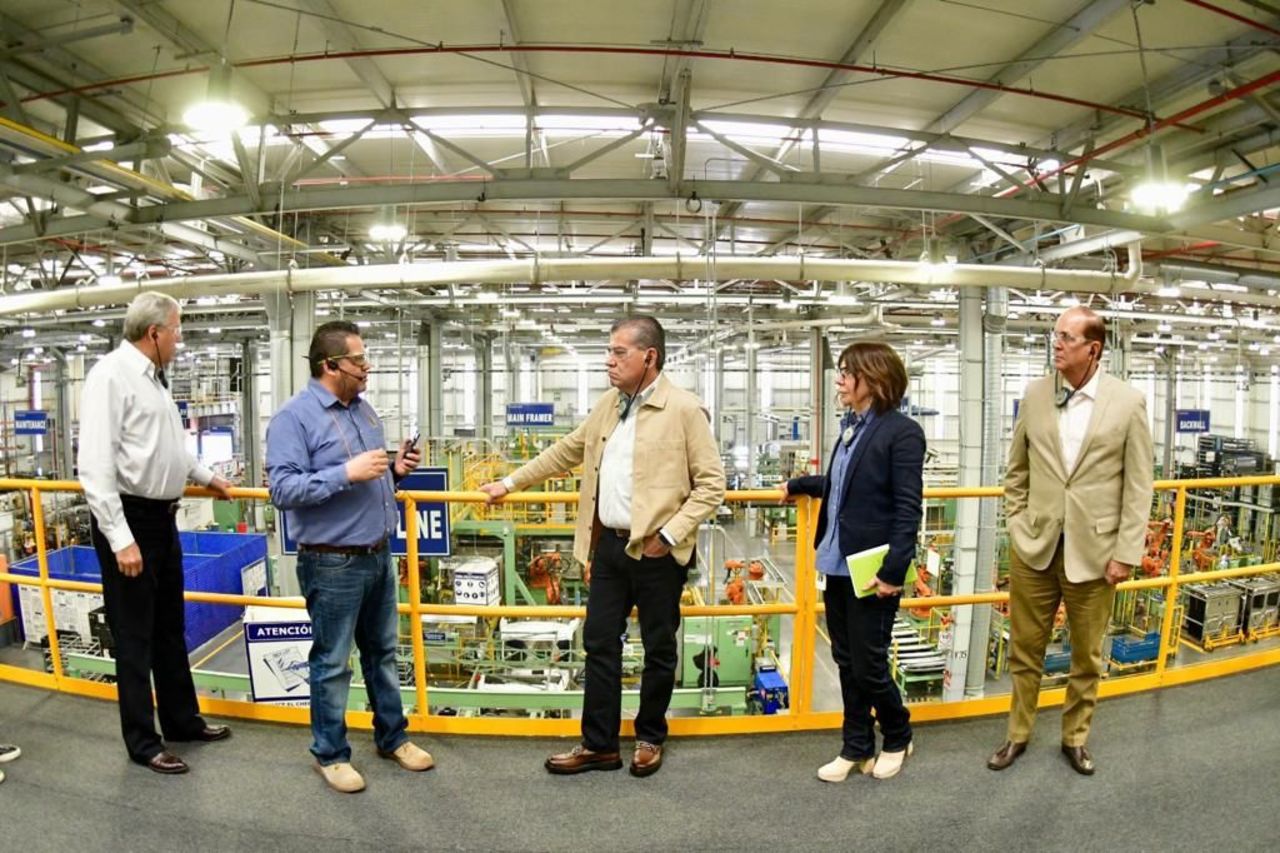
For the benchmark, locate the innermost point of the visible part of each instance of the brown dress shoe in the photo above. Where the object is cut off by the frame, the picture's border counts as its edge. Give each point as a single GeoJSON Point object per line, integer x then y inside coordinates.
{"type": "Point", "coordinates": [211, 733]}
{"type": "Point", "coordinates": [1080, 759]}
{"type": "Point", "coordinates": [1006, 755]}
{"type": "Point", "coordinates": [167, 762]}
{"type": "Point", "coordinates": [647, 758]}
{"type": "Point", "coordinates": [580, 759]}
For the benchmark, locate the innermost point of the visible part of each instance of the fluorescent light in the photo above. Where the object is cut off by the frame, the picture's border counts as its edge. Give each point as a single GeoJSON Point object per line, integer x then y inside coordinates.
{"type": "Point", "coordinates": [1169, 292]}
{"type": "Point", "coordinates": [99, 322]}
{"type": "Point", "coordinates": [28, 333]}
{"type": "Point", "coordinates": [215, 116]}
{"type": "Point", "coordinates": [108, 280]}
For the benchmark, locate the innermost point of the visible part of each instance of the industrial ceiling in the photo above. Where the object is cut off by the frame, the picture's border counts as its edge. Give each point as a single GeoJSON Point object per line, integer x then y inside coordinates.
{"type": "Point", "coordinates": [924, 131]}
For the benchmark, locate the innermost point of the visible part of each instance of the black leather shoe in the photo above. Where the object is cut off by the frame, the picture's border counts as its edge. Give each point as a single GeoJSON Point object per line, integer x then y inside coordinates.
{"type": "Point", "coordinates": [167, 763]}
{"type": "Point", "coordinates": [211, 733]}
{"type": "Point", "coordinates": [1080, 759]}
{"type": "Point", "coordinates": [1006, 755]}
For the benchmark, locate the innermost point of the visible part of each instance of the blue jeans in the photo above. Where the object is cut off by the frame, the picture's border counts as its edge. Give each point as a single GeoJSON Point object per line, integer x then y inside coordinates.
{"type": "Point", "coordinates": [351, 597]}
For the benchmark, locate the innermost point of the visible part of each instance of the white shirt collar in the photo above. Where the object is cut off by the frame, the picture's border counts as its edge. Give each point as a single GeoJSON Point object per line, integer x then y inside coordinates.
{"type": "Point", "coordinates": [1090, 388]}
{"type": "Point", "coordinates": [138, 358]}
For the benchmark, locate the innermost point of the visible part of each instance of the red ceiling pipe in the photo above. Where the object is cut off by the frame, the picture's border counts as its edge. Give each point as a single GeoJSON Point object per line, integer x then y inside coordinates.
{"type": "Point", "coordinates": [729, 55]}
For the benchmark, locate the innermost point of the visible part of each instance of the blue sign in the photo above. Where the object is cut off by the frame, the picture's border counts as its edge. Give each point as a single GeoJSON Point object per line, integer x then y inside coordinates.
{"type": "Point", "coordinates": [33, 422]}
{"type": "Point", "coordinates": [1193, 420]}
{"type": "Point", "coordinates": [184, 408]}
{"type": "Point", "coordinates": [531, 414]}
{"type": "Point", "coordinates": [433, 518]}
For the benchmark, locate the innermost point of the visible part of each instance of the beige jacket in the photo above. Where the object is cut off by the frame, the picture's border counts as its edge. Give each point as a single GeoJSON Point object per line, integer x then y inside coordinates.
{"type": "Point", "coordinates": [679, 479]}
{"type": "Point", "coordinates": [1101, 507]}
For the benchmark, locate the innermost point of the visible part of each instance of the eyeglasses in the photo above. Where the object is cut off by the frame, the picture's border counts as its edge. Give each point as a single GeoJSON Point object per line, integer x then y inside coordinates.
{"type": "Point", "coordinates": [359, 359]}
{"type": "Point", "coordinates": [1065, 338]}
{"type": "Point", "coordinates": [177, 330]}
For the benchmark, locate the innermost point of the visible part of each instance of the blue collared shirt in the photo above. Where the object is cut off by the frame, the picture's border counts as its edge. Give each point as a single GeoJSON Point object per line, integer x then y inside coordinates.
{"type": "Point", "coordinates": [830, 561]}
{"type": "Point", "coordinates": [309, 442]}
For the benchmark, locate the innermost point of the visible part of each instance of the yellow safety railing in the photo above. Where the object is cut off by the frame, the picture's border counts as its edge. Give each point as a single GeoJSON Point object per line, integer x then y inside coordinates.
{"type": "Point", "coordinates": [805, 609]}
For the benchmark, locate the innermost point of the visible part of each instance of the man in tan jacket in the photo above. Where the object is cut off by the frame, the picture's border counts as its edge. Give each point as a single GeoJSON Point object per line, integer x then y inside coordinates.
{"type": "Point", "coordinates": [1077, 499]}
{"type": "Point", "coordinates": [651, 474]}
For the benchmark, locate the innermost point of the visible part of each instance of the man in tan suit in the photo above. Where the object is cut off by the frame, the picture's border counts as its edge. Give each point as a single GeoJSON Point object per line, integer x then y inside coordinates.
{"type": "Point", "coordinates": [651, 474]}
{"type": "Point", "coordinates": [1077, 499]}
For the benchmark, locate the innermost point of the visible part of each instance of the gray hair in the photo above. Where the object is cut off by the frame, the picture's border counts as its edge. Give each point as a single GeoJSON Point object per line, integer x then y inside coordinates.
{"type": "Point", "coordinates": [148, 309]}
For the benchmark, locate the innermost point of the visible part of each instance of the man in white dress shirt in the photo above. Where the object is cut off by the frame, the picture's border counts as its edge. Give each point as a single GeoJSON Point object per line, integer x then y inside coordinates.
{"type": "Point", "coordinates": [133, 464]}
{"type": "Point", "coordinates": [1077, 498]}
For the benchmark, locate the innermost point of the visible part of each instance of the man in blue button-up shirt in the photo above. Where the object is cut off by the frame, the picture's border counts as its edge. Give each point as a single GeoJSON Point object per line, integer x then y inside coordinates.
{"type": "Point", "coordinates": [328, 468]}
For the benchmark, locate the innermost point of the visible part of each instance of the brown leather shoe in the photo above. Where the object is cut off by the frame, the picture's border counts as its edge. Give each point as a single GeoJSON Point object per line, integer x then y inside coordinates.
{"type": "Point", "coordinates": [580, 759]}
{"type": "Point", "coordinates": [646, 759]}
{"type": "Point", "coordinates": [1006, 755]}
{"type": "Point", "coordinates": [1080, 759]}
{"type": "Point", "coordinates": [211, 733]}
{"type": "Point", "coordinates": [167, 762]}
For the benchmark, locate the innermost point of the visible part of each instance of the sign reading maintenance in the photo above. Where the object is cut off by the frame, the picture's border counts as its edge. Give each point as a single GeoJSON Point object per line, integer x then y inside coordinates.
{"type": "Point", "coordinates": [33, 422]}
{"type": "Point", "coordinates": [1193, 420]}
{"type": "Point", "coordinates": [531, 414]}
{"type": "Point", "coordinates": [433, 518]}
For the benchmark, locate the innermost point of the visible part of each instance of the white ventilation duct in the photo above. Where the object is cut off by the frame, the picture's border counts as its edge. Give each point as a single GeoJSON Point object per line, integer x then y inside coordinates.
{"type": "Point", "coordinates": [546, 270]}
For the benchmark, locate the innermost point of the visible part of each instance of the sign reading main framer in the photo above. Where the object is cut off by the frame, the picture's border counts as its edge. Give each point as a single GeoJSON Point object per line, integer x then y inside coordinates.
{"type": "Point", "coordinates": [1193, 420]}
{"type": "Point", "coordinates": [531, 414]}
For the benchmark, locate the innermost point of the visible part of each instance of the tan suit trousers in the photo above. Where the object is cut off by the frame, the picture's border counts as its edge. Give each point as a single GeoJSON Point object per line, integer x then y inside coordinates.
{"type": "Point", "coordinates": [1033, 603]}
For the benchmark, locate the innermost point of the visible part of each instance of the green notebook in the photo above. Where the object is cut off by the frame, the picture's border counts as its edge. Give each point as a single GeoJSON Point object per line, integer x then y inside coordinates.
{"type": "Point", "coordinates": [864, 565]}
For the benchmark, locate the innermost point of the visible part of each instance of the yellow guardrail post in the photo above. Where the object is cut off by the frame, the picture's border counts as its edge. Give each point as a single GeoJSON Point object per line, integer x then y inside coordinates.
{"type": "Point", "coordinates": [415, 610]}
{"type": "Point", "coordinates": [46, 594]}
{"type": "Point", "coordinates": [803, 627]}
{"type": "Point", "coordinates": [1169, 631]}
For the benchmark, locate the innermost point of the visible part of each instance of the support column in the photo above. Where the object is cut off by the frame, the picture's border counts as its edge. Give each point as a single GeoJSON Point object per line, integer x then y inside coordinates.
{"type": "Point", "coordinates": [292, 318]}
{"type": "Point", "coordinates": [62, 400]}
{"type": "Point", "coordinates": [1121, 351]}
{"type": "Point", "coordinates": [292, 321]}
{"type": "Point", "coordinates": [966, 543]}
{"type": "Point", "coordinates": [992, 456]}
{"type": "Point", "coordinates": [484, 386]}
{"type": "Point", "coordinates": [749, 409]}
{"type": "Point", "coordinates": [252, 439]}
{"type": "Point", "coordinates": [819, 388]}
{"type": "Point", "coordinates": [1170, 413]}
{"type": "Point", "coordinates": [718, 407]}
{"type": "Point", "coordinates": [430, 414]}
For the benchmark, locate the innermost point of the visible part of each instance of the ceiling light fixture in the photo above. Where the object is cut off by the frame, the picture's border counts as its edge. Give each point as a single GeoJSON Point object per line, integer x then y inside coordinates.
{"type": "Point", "coordinates": [218, 112]}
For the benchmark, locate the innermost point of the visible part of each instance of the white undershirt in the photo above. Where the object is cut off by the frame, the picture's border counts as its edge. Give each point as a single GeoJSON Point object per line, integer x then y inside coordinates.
{"type": "Point", "coordinates": [131, 440]}
{"type": "Point", "coordinates": [617, 467]}
{"type": "Point", "coordinates": [1073, 420]}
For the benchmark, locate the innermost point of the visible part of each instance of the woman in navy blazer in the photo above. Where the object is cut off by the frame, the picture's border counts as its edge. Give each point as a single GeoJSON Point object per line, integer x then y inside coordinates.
{"type": "Point", "coordinates": [871, 495]}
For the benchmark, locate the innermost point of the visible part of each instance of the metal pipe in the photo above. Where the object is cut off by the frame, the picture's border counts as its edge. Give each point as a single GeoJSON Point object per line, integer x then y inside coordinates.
{"type": "Point", "coordinates": [541, 270]}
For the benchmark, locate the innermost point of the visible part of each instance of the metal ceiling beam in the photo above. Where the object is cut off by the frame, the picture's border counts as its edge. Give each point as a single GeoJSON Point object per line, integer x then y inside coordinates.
{"type": "Point", "coordinates": [688, 24]}
{"type": "Point", "coordinates": [1063, 36]}
{"type": "Point", "coordinates": [805, 188]}
{"type": "Point", "coordinates": [168, 25]}
{"type": "Point", "coordinates": [42, 43]}
{"type": "Point", "coordinates": [1196, 72]}
{"type": "Point", "coordinates": [863, 42]}
{"type": "Point", "coordinates": [344, 38]}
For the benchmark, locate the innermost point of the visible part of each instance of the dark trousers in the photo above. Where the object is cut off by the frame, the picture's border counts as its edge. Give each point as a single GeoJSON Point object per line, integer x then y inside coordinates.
{"type": "Point", "coordinates": [146, 617]}
{"type": "Point", "coordinates": [653, 586]}
{"type": "Point", "coordinates": [861, 631]}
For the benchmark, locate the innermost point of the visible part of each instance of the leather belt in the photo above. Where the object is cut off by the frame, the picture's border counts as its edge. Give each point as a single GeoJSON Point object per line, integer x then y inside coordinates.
{"type": "Point", "coordinates": [348, 550]}
{"type": "Point", "coordinates": [621, 534]}
{"type": "Point", "coordinates": [169, 507]}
